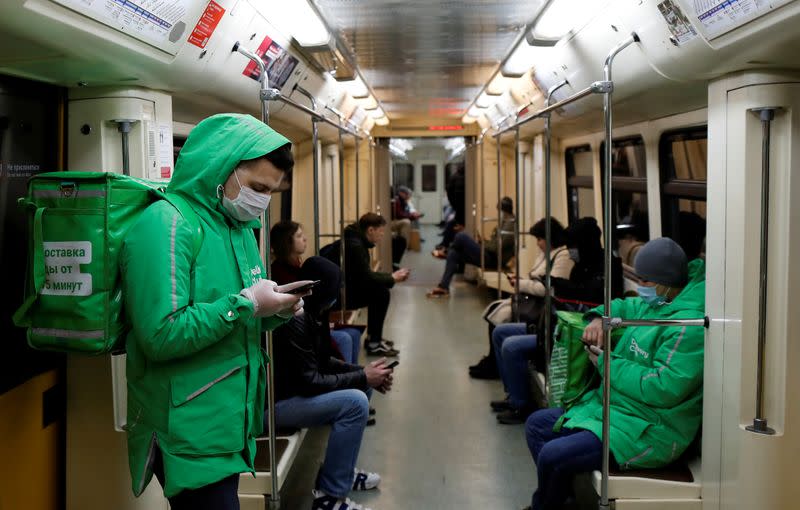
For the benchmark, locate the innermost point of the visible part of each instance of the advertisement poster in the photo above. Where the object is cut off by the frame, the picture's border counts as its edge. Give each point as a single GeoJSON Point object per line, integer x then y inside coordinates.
{"type": "Point", "coordinates": [280, 64]}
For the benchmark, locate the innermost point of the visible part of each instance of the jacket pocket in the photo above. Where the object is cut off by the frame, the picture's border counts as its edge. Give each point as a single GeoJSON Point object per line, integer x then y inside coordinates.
{"type": "Point", "coordinates": [207, 415]}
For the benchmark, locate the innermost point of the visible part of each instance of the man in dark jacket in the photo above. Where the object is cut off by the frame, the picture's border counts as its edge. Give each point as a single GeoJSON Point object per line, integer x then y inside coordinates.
{"type": "Point", "coordinates": [312, 389]}
{"type": "Point", "coordinates": [365, 287]}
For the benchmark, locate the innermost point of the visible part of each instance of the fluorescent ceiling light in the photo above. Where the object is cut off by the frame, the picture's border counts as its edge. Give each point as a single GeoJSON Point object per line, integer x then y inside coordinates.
{"type": "Point", "coordinates": [377, 113]}
{"type": "Point", "coordinates": [474, 112]}
{"type": "Point", "coordinates": [303, 23]}
{"type": "Point", "coordinates": [468, 119]}
{"type": "Point", "coordinates": [499, 85]}
{"type": "Point", "coordinates": [564, 16]}
{"type": "Point", "coordinates": [484, 100]}
{"type": "Point", "coordinates": [356, 88]}
{"type": "Point", "coordinates": [368, 103]}
{"type": "Point", "coordinates": [523, 58]}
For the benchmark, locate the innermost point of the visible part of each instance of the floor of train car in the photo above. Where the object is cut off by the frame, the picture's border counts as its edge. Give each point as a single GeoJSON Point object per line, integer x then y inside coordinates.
{"type": "Point", "coordinates": [436, 444]}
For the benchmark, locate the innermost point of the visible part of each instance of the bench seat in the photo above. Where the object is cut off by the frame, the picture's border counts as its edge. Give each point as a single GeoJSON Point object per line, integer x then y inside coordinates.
{"type": "Point", "coordinates": [675, 482]}
{"type": "Point", "coordinates": [287, 448]}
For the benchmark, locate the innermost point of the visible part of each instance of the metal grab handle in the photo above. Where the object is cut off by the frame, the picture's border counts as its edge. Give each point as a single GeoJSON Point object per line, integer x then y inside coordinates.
{"type": "Point", "coordinates": [488, 220]}
{"type": "Point", "coordinates": [263, 245]}
{"type": "Point", "coordinates": [499, 219]}
{"type": "Point", "coordinates": [759, 426]}
{"type": "Point", "coordinates": [607, 87]}
{"type": "Point", "coordinates": [617, 322]}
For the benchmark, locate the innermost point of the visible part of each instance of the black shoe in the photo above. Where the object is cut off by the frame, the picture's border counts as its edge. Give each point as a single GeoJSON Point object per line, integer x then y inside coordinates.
{"type": "Point", "coordinates": [485, 369]}
{"type": "Point", "coordinates": [370, 422]}
{"type": "Point", "coordinates": [381, 349]}
{"type": "Point", "coordinates": [514, 416]}
{"type": "Point", "coordinates": [501, 405]}
{"type": "Point", "coordinates": [372, 411]}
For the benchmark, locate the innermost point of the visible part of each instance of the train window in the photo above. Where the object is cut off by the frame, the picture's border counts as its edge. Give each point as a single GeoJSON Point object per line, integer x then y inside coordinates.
{"type": "Point", "coordinates": [403, 175]}
{"type": "Point", "coordinates": [629, 179]}
{"type": "Point", "coordinates": [580, 182]}
{"type": "Point", "coordinates": [428, 178]}
{"type": "Point", "coordinates": [683, 155]}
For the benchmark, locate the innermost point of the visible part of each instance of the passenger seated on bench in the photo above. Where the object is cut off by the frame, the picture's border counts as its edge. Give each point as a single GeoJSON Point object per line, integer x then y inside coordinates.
{"type": "Point", "coordinates": [313, 389]}
{"type": "Point", "coordinates": [365, 287]}
{"type": "Point", "coordinates": [403, 215]}
{"type": "Point", "coordinates": [656, 388]}
{"type": "Point", "coordinates": [466, 250]}
{"type": "Point", "coordinates": [632, 233]}
{"type": "Point", "coordinates": [486, 368]}
{"type": "Point", "coordinates": [288, 244]}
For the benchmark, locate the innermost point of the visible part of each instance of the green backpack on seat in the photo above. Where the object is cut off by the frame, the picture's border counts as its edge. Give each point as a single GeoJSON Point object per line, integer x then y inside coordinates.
{"type": "Point", "coordinates": [571, 373]}
{"type": "Point", "coordinates": [78, 223]}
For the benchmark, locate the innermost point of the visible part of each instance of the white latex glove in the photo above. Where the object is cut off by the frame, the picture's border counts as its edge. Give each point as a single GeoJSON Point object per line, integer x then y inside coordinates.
{"type": "Point", "coordinates": [267, 301]}
{"type": "Point", "coordinates": [593, 352]}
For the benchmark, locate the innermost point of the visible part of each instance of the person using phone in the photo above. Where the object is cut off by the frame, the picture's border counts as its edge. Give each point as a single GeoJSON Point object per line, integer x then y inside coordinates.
{"type": "Point", "coordinates": [314, 389]}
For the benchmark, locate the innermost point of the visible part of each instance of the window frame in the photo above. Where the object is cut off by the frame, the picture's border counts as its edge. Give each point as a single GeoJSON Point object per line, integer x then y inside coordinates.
{"type": "Point", "coordinates": [672, 189]}
{"type": "Point", "coordinates": [576, 181]}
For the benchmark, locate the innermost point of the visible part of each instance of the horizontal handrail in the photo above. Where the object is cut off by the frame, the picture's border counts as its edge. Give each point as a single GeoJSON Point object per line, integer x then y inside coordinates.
{"type": "Point", "coordinates": [617, 322]}
{"type": "Point", "coordinates": [598, 87]}
{"type": "Point", "coordinates": [488, 220]}
{"type": "Point", "coordinates": [316, 115]}
{"type": "Point", "coordinates": [330, 235]}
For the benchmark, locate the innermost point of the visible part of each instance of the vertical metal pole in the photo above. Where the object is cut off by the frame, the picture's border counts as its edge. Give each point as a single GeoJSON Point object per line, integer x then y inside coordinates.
{"type": "Point", "coordinates": [315, 160]}
{"type": "Point", "coordinates": [499, 222]}
{"type": "Point", "coordinates": [124, 127]}
{"type": "Point", "coordinates": [523, 209]}
{"type": "Point", "coordinates": [607, 221]}
{"type": "Point", "coordinates": [548, 214]}
{"type": "Point", "coordinates": [358, 178]}
{"type": "Point", "coordinates": [759, 425]}
{"type": "Point", "coordinates": [341, 223]}
{"type": "Point", "coordinates": [517, 222]}
{"type": "Point", "coordinates": [480, 230]}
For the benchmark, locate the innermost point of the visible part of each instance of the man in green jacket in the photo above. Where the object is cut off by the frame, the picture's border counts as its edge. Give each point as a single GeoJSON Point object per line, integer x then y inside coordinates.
{"type": "Point", "coordinates": [656, 383]}
{"type": "Point", "coordinates": [198, 304]}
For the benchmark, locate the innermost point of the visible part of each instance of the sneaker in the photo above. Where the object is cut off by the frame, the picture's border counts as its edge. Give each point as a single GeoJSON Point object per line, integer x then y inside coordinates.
{"type": "Point", "coordinates": [365, 481]}
{"type": "Point", "coordinates": [501, 405]}
{"type": "Point", "coordinates": [386, 341]}
{"type": "Point", "coordinates": [381, 349]}
{"type": "Point", "coordinates": [323, 501]}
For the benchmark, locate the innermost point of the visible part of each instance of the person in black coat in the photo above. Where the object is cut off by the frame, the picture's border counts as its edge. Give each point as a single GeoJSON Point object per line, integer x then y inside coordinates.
{"type": "Point", "coordinates": [312, 388]}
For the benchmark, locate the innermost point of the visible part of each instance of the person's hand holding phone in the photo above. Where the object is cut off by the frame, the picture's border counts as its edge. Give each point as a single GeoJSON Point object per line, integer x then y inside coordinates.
{"type": "Point", "coordinates": [268, 301]}
{"type": "Point", "coordinates": [401, 275]}
{"type": "Point", "coordinates": [300, 288]}
{"type": "Point", "coordinates": [379, 374]}
{"type": "Point", "coordinates": [593, 334]}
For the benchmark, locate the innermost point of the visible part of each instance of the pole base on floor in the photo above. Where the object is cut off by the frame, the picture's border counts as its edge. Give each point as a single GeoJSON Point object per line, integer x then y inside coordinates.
{"type": "Point", "coordinates": [273, 504]}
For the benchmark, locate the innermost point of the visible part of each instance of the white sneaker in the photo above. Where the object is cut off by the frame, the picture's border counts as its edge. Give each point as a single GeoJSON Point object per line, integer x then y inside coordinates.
{"type": "Point", "coordinates": [323, 501]}
{"type": "Point", "coordinates": [364, 480]}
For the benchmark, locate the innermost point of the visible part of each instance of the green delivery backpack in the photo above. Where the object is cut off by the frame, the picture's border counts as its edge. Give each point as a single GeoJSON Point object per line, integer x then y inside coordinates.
{"type": "Point", "coordinates": [571, 373]}
{"type": "Point", "coordinates": [78, 222]}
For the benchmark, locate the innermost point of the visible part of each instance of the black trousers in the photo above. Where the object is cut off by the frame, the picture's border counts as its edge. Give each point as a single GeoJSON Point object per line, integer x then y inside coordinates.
{"type": "Point", "coordinates": [221, 495]}
{"type": "Point", "coordinates": [399, 245]}
{"type": "Point", "coordinates": [376, 298]}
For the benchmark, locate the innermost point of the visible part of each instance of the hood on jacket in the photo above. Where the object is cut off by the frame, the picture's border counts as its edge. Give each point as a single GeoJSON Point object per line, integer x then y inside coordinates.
{"type": "Point", "coordinates": [326, 293]}
{"type": "Point", "coordinates": [353, 231]}
{"type": "Point", "coordinates": [693, 295]}
{"type": "Point", "coordinates": [214, 148]}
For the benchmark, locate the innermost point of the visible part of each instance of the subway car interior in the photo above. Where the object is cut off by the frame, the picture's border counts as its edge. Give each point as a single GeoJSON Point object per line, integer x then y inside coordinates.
{"type": "Point", "coordinates": [383, 254]}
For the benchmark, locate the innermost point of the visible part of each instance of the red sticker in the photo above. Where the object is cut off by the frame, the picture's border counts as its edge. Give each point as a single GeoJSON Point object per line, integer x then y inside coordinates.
{"type": "Point", "coordinates": [251, 70]}
{"type": "Point", "coordinates": [165, 172]}
{"type": "Point", "coordinates": [206, 24]}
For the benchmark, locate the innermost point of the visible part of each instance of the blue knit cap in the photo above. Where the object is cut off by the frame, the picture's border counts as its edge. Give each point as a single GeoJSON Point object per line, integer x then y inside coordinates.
{"type": "Point", "coordinates": [662, 261]}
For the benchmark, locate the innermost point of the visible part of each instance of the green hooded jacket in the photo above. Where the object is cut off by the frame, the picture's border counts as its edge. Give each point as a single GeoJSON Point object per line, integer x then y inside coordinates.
{"type": "Point", "coordinates": [196, 366]}
{"type": "Point", "coordinates": [656, 383]}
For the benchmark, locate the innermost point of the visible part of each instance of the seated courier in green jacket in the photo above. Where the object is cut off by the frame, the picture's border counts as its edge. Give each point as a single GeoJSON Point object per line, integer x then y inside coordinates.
{"type": "Point", "coordinates": [198, 303]}
{"type": "Point", "coordinates": [656, 381]}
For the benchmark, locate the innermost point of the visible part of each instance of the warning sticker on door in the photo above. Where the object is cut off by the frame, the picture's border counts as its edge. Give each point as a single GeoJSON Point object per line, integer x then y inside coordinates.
{"type": "Point", "coordinates": [63, 268]}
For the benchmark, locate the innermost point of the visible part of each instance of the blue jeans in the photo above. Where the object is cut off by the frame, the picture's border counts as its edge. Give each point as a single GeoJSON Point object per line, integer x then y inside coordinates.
{"type": "Point", "coordinates": [559, 456]}
{"type": "Point", "coordinates": [348, 340]}
{"type": "Point", "coordinates": [346, 411]}
{"type": "Point", "coordinates": [463, 250]}
{"type": "Point", "coordinates": [512, 349]}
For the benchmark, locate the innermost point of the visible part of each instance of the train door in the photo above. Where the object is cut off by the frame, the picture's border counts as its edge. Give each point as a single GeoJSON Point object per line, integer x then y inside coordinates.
{"type": "Point", "coordinates": [429, 189]}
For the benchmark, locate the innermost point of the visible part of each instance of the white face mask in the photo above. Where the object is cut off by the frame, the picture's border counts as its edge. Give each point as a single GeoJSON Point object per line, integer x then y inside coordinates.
{"type": "Point", "coordinates": [248, 205]}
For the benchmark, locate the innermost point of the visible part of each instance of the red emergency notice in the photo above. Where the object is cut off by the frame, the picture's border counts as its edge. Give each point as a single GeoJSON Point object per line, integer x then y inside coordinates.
{"type": "Point", "coordinates": [206, 24]}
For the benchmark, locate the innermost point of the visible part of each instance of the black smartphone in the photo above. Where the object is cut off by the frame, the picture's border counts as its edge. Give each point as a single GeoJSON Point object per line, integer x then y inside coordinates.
{"type": "Point", "coordinates": [392, 364]}
{"type": "Point", "coordinates": [304, 288]}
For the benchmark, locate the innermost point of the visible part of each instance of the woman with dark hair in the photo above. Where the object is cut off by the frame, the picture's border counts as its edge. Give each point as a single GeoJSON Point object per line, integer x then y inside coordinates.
{"type": "Point", "coordinates": [288, 243]}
